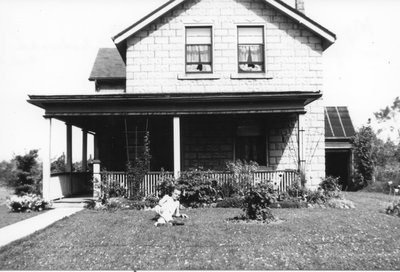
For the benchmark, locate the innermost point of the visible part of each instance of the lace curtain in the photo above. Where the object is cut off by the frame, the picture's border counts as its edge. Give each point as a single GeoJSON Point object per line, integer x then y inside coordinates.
{"type": "Point", "coordinates": [198, 53]}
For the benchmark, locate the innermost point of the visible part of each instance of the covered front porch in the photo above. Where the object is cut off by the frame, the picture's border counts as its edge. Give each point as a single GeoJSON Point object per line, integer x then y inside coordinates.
{"type": "Point", "coordinates": [186, 131]}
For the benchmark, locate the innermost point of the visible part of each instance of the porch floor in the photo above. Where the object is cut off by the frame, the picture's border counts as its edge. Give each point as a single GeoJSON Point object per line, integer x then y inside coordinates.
{"type": "Point", "coordinates": [73, 201]}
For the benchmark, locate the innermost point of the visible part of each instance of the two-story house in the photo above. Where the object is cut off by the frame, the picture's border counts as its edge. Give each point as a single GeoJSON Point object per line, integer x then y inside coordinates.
{"type": "Point", "coordinates": [210, 81]}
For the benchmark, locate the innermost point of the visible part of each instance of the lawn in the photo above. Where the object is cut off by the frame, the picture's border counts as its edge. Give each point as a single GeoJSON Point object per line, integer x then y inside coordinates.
{"type": "Point", "coordinates": [324, 239]}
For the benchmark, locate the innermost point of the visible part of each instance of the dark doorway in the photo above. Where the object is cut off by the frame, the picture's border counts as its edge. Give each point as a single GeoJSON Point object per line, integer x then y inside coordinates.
{"type": "Point", "coordinates": [337, 164]}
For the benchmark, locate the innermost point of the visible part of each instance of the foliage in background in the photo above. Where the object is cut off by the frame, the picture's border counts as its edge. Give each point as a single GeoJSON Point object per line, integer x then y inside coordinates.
{"type": "Point", "coordinates": [7, 173]}
{"type": "Point", "coordinates": [27, 203]}
{"type": "Point", "coordinates": [387, 166]}
{"type": "Point", "coordinates": [390, 117]}
{"type": "Point", "coordinates": [59, 165]}
{"type": "Point", "coordinates": [365, 156]}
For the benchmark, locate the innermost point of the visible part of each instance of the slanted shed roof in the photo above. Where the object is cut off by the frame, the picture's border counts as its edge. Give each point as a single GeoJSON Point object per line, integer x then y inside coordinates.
{"type": "Point", "coordinates": [338, 123]}
{"type": "Point", "coordinates": [108, 65]}
{"type": "Point", "coordinates": [327, 36]}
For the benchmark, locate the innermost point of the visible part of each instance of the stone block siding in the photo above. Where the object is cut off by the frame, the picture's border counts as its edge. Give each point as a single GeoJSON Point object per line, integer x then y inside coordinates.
{"type": "Point", "coordinates": [314, 143]}
{"type": "Point", "coordinates": [283, 143]}
{"type": "Point", "coordinates": [156, 54]}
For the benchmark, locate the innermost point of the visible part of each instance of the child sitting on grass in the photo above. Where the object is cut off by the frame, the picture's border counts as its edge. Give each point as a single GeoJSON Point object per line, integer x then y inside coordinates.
{"type": "Point", "coordinates": [167, 208]}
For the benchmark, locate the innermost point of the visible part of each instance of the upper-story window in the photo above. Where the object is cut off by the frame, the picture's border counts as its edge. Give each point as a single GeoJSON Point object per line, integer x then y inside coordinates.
{"type": "Point", "coordinates": [198, 50]}
{"type": "Point", "coordinates": [251, 49]}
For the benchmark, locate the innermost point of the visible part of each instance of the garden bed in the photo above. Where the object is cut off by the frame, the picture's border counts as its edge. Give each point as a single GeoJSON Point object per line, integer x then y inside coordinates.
{"type": "Point", "coordinates": [324, 239]}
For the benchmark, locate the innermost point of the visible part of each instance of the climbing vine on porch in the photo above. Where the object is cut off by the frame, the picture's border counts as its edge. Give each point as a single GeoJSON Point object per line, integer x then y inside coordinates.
{"type": "Point", "coordinates": [138, 169]}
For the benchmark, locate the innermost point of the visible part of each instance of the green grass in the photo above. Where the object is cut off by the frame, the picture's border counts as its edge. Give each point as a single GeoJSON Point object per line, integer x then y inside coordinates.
{"type": "Point", "coordinates": [325, 239]}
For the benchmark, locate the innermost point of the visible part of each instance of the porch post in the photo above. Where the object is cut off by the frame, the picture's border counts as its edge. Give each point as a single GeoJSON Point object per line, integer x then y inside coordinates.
{"type": "Point", "coordinates": [301, 162]}
{"type": "Point", "coordinates": [84, 150]}
{"type": "Point", "coordinates": [96, 169]}
{"type": "Point", "coordinates": [46, 189]}
{"type": "Point", "coordinates": [68, 165]}
{"type": "Point", "coordinates": [177, 146]}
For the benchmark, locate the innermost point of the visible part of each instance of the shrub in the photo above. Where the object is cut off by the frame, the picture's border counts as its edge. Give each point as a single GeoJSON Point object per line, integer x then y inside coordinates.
{"type": "Point", "coordinates": [151, 201]}
{"type": "Point", "coordinates": [316, 197]}
{"type": "Point", "coordinates": [28, 202]}
{"type": "Point", "coordinates": [231, 202]}
{"type": "Point", "coordinates": [198, 188]}
{"type": "Point", "coordinates": [256, 202]}
{"type": "Point", "coordinates": [24, 190]}
{"type": "Point", "coordinates": [117, 191]}
{"type": "Point", "coordinates": [364, 157]}
{"type": "Point", "coordinates": [331, 187]}
{"type": "Point", "coordinates": [297, 191]}
{"type": "Point", "coordinates": [330, 184]}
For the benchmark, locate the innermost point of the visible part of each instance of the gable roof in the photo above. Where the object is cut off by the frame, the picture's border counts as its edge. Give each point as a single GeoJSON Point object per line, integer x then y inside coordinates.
{"type": "Point", "coordinates": [338, 123]}
{"type": "Point", "coordinates": [108, 65]}
{"type": "Point", "coordinates": [327, 36]}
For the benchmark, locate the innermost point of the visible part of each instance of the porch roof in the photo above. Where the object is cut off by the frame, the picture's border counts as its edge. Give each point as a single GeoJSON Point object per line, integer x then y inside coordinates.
{"type": "Point", "coordinates": [173, 103]}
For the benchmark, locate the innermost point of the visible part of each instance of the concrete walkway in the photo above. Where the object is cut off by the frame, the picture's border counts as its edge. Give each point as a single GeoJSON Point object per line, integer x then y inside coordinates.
{"type": "Point", "coordinates": [61, 208]}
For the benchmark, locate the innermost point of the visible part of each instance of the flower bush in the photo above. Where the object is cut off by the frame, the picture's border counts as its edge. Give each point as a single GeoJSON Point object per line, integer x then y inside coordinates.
{"type": "Point", "coordinates": [331, 187]}
{"type": "Point", "coordinates": [256, 202]}
{"type": "Point", "coordinates": [394, 208]}
{"type": "Point", "coordinates": [27, 203]}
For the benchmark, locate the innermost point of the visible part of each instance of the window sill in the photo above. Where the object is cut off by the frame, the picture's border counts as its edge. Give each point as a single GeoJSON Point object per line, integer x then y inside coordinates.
{"type": "Point", "coordinates": [251, 76]}
{"type": "Point", "coordinates": [198, 77]}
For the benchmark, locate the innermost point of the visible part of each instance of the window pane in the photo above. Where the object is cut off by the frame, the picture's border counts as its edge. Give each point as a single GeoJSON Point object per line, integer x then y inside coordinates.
{"type": "Point", "coordinates": [198, 35]}
{"type": "Point", "coordinates": [251, 53]}
{"type": "Point", "coordinates": [250, 35]}
{"type": "Point", "coordinates": [198, 53]}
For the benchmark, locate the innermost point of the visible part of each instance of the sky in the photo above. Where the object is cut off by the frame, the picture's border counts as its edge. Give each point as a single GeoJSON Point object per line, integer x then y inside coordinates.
{"type": "Point", "coordinates": [49, 46]}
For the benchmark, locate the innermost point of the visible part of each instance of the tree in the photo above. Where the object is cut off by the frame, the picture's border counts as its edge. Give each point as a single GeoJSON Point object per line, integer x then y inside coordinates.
{"type": "Point", "coordinates": [27, 168]}
{"type": "Point", "coordinates": [365, 157]}
{"type": "Point", "coordinates": [7, 173]}
{"type": "Point", "coordinates": [389, 117]}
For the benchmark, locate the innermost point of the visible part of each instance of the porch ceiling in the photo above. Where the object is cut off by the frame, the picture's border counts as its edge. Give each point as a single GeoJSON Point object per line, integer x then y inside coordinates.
{"type": "Point", "coordinates": [64, 107]}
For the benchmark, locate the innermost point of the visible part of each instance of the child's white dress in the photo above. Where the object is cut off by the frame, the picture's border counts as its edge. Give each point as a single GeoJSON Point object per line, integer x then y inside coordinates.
{"type": "Point", "coordinates": [166, 208]}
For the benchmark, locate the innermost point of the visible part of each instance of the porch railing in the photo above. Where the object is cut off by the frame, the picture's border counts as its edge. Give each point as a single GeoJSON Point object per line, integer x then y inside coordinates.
{"type": "Point", "coordinates": [281, 179]}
